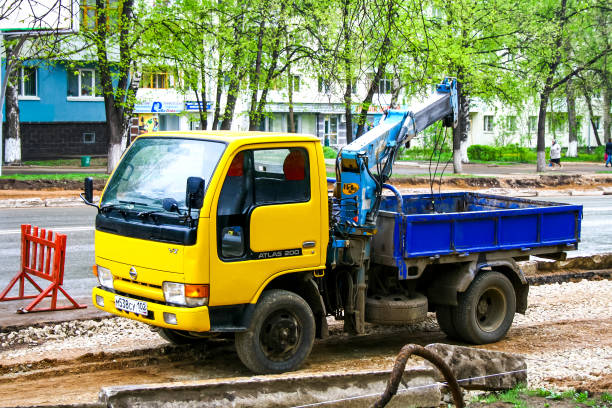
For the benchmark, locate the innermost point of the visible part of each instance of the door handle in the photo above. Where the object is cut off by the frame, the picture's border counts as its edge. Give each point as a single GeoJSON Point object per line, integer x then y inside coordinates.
{"type": "Point", "coordinates": [308, 244]}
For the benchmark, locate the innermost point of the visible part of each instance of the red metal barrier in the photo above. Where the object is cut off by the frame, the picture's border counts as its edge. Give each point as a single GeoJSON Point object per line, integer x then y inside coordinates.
{"type": "Point", "coordinates": [42, 256]}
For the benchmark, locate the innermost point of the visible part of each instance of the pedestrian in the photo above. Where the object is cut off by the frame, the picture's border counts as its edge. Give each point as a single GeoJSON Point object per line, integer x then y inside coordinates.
{"type": "Point", "coordinates": [609, 153]}
{"type": "Point", "coordinates": [555, 154]}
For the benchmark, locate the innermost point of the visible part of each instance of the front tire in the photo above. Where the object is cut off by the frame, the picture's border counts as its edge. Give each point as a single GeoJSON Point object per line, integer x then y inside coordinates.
{"type": "Point", "coordinates": [281, 334]}
{"type": "Point", "coordinates": [486, 309]}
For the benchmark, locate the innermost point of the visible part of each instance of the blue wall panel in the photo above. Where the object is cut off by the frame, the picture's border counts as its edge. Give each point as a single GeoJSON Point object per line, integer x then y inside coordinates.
{"type": "Point", "coordinates": [53, 105]}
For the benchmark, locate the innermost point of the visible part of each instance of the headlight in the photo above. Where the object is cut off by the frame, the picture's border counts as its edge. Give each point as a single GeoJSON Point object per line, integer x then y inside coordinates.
{"type": "Point", "coordinates": [186, 294]}
{"type": "Point", "coordinates": [105, 277]}
{"type": "Point", "coordinates": [174, 293]}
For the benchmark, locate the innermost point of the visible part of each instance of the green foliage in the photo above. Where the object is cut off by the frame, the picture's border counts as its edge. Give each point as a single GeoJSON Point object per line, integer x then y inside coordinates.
{"type": "Point", "coordinates": [329, 153]}
{"type": "Point", "coordinates": [95, 161]}
{"type": "Point", "coordinates": [66, 176]}
{"type": "Point", "coordinates": [516, 396]}
{"type": "Point", "coordinates": [484, 152]}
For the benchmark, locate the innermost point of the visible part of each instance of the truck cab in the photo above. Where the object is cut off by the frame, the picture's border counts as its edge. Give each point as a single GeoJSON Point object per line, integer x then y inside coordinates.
{"type": "Point", "coordinates": [196, 272]}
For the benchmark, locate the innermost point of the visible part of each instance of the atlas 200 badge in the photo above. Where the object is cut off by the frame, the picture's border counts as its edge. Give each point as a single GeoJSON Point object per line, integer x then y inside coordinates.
{"type": "Point", "coordinates": [350, 188]}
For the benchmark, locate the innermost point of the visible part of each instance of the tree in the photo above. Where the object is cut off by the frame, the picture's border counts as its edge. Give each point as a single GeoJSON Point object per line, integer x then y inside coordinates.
{"type": "Point", "coordinates": [44, 26]}
{"type": "Point", "coordinates": [476, 42]}
{"type": "Point", "coordinates": [119, 99]}
{"type": "Point", "coordinates": [553, 25]}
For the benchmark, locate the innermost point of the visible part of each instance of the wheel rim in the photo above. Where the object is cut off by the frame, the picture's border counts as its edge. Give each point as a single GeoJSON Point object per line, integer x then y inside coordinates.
{"type": "Point", "coordinates": [280, 336]}
{"type": "Point", "coordinates": [491, 309]}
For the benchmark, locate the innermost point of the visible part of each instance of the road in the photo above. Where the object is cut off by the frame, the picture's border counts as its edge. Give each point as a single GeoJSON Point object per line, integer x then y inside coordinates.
{"type": "Point", "coordinates": [77, 223]}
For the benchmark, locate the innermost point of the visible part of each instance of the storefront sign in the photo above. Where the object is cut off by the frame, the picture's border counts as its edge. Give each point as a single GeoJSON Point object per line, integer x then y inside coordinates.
{"type": "Point", "coordinates": [159, 107]}
{"type": "Point", "coordinates": [194, 106]}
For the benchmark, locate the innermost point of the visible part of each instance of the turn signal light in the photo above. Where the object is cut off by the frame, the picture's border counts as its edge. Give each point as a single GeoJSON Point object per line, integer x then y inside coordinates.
{"type": "Point", "coordinates": [196, 291]}
{"type": "Point", "coordinates": [95, 270]}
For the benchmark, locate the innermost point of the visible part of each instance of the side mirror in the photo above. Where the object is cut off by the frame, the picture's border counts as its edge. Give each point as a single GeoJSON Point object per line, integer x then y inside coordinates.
{"type": "Point", "coordinates": [87, 194]}
{"type": "Point", "coordinates": [195, 192]}
{"type": "Point", "coordinates": [88, 189]}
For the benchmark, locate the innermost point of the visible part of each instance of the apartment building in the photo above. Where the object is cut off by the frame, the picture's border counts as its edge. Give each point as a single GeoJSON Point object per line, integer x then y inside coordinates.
{"type": "Point", "coordinates": [62, 112]}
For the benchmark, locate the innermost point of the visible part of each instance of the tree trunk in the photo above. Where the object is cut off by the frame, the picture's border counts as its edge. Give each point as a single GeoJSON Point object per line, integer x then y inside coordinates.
{"type": "Point", "coordinates": [255, 119]}
{"type": "Point", "coordinates": [203, 108]}
{"type": "Point", "coordinates": [589, 103]}
{"type": "Point", "coordinates": [12, 146]}
{"type": "Point", "coordinates": [230, 104]}
{"type": "Point", "coordinates": [460, 131]}
{"type": "Point", "coordinates": [347, 110]}
{"type": "Point", "coordinates": [291, 117]}
{"type": "Point", "coordinates": [572, 149]}
{"type": "Point", "coordinates": [218, 93]}
{"type": "Point", "coordinates": [541, 146]}
{"type": "Point", "coordinates": [605, 111]}
{"type": "Point", "coordinates": [365, 105]}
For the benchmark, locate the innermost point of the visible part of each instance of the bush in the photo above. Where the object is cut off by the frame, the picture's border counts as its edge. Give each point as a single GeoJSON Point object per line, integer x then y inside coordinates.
{"type": "Point", "coordinates": [329, 153]}
{"type": "Point", "coordinates": [484, 152]}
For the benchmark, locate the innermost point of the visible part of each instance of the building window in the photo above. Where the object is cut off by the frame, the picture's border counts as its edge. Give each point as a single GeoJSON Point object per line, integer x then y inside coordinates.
{"type": "Point", "coordinates": [354, 86]}
{"type": "Point", "coordinates": [533, 124]}
{"type": "Point", "coordinates": [89, 137]}
{"type": "Point", "coordinates": [384, 85]}
{"type": "Point", "coordinates": [323, 85]}
{"type": "Point", "coordinates": [511, 123]}
{"type": "Point", "coordinates": [27, 81]}
{"type": "Point", "coordinates": [84, 83]}
{"type": "Point", "coordinates": [331, 130]}
{"type": "Point", "coordinates": [89, 13]}
{"type": "Point", "coordinates": [295, 82]}
{"type": "Point", "coordinates": [155, 80]}
{"type": "Point", "coordinates": [488, 123]}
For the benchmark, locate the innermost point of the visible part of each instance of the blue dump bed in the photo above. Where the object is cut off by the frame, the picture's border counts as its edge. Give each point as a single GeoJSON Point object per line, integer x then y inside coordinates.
{"type": "Point", "coordinates": [465, 223]}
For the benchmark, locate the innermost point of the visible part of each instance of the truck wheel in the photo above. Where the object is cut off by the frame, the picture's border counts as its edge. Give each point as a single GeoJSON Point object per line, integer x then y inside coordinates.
{"type": "Point", "coordinates": [180, 337]}
{"type": "Point", "coordinates": [281, 334]}
{"type": "Point", "coordinates": [444, 314]}
{"type": "Point", "coordinates": [486, 309]}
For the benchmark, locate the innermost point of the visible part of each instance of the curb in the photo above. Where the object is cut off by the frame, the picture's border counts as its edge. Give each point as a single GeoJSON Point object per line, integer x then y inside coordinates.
{"type": "Point", "coordinates": [39, 202]}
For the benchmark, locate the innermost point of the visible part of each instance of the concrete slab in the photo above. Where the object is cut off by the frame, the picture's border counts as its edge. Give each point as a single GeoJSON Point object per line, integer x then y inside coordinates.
{"type": "Point", "coordinates": [477, 369]}
{"type": "Point", "coordinates": [359, 389]}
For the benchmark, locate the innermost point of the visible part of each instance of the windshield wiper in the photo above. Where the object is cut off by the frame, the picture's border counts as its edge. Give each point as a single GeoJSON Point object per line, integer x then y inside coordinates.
{"type": "Point", "coordinates": [108, 207]}
{"type": "Point", "coordinates": [134, 203]}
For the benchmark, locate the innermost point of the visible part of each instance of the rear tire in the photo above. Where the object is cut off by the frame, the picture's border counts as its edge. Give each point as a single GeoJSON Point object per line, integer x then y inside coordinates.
{"type": "Point", "coordinates": [444, 314]}
{"type": "Point", "coordinates": [281, 334]}
{"type": "Point", "coordinates": [486, 309]}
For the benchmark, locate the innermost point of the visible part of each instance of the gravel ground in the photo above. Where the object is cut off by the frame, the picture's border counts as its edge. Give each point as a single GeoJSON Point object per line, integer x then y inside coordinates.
{"type": "Point", "coordinates": [584, 300]}
{"type": "Point", "coordinates": [572, 303]}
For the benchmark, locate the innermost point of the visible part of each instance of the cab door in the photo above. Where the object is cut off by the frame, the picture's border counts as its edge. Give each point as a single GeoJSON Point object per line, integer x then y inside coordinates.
{"type": "Point", "coordinates": [267, 220]}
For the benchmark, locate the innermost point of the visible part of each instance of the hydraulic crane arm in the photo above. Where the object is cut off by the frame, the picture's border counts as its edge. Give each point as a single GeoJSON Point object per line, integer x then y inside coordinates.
{"type": "Point", "coordinates": [358, 186]}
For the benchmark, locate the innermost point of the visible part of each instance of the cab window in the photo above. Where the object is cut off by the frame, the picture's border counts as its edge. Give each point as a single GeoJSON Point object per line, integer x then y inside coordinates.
{"type": "Point", "coordinates": [256, 178]}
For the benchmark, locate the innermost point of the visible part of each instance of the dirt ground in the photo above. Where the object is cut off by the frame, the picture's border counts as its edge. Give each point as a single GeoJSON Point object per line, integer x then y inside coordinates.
{"type": "Point", "coordinates": [78, 373]}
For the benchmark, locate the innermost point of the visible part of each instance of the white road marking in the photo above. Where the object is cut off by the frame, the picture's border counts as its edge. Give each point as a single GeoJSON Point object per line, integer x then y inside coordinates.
{"type": "Point", "coordinates": [58, 229]}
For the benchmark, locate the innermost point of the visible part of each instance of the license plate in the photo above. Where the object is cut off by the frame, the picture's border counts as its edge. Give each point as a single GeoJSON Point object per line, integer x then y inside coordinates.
{"type": "Point", "coordinates": [131, 305]}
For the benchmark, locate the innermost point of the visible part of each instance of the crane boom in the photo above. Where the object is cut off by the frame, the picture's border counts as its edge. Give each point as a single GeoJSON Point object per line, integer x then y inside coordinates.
{"type": "Point", "coordinates": [358, 187]}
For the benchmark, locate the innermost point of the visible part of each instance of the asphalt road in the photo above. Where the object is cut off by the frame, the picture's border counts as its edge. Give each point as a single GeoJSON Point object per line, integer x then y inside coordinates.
{"type": "Point", "coordinates": [77, 223]}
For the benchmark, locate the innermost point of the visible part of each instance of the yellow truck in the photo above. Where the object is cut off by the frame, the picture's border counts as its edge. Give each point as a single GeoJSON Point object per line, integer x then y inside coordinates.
{"type": "Point", "coordinates": [221, 233]}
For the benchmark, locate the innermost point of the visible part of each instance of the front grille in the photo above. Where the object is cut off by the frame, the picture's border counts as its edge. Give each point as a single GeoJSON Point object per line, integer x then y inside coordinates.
{"type": "Point", "coordinates": [138, 283]}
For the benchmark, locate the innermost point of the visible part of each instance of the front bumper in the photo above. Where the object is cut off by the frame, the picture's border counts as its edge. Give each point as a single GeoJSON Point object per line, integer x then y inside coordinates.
{"type": "Point", "coordinates": [194, 319]}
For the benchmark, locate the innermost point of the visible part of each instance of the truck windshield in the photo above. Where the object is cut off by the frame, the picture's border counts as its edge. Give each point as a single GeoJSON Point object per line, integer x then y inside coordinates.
{"type": "Point", "coordinates": [158, 168]}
